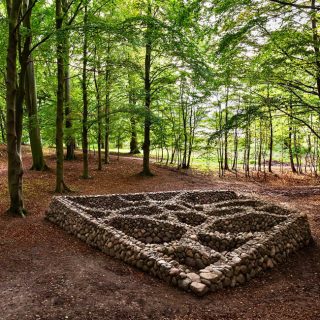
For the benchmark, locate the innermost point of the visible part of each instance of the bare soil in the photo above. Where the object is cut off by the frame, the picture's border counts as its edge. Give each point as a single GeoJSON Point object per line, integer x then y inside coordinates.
{"type": "Point", "coordinates": [47, 274]}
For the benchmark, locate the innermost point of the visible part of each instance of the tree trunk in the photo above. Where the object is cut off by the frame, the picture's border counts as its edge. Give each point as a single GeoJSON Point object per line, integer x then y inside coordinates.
{"type": "Point", "coordinates": [107, 130]}
{"type": "Point", "coordinates": [38, 162]}
{"type": "Point", "coordinates": [260, 146]}
{"type": "Point", "coordinates": [236, 142]}
{"type": "Point", "coordinates": [107, 114]}
{"type": "Point", "coordinates": [3, 126]}
{"type": "Point", "coordinates": [185, 137]}
{"type": "Point", "coordinates": [173, 152]}
{"type": "Point", "coordinates": [96, 77]}
{"type": "Point", "coordinates": [235, 157]}
{"type": "Point", "coordinates": [60, 185]}
{"type": "Point", "coordinates": [147, 87]}
{"type": "Point", "coordinates": [192, 126]}
{"type": "Point", "coordinates": [271, 141]}
{"type": "Point", "coordinates": [69, 140]}
{"type": "Point", "coordinates": [15, 170]}
{"type": "Point", "coordinates": [134, 149]}
{"type": "Point", "coordinates": [226, 164]}
{"type": "Point", "coordinates": [184, 109]}
{"type": "Point", "coordinates": [293, 168]}
{"type": "Point", "coordinates": [247, 148]}
{"type": "Point", "coordinates": [316, 44]}
{"type": "Point", "coordinates": [85, 173]}
{"type": "Point", "coordinates": [297, 151]}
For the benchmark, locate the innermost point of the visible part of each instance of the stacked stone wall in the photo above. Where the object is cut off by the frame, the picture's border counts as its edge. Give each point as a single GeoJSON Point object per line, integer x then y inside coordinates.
{"type": "Point", "coordinates": [199, 241]}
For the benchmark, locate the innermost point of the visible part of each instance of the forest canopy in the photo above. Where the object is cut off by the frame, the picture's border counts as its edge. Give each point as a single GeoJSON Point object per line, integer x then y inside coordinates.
{"type": "Point", "coordinates": [232, 83]}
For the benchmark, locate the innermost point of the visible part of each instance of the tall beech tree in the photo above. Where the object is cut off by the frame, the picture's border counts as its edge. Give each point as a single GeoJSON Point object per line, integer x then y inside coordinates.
{"type": "Point", "coordinates": [38, 162]}
{"type": "Point", "coordinates": [14, 112]}
{"type": "Point", "coordinates": [147, 87]}
{"type": "Point", "coordinates": [85, 172]}
{"type": "Point", "coordinates": [70, 140]}
{"type": "Point", "coordinates": [132, 97]}
{"type": "Point", "coordinates": [60, 184]}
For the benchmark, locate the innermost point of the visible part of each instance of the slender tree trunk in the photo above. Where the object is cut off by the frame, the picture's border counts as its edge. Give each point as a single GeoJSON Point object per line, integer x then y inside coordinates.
{"type": "Point", "coordinates": [99, 138]}
{"type": "Point", "coordinates": [293, 168]}
{"type": "Point", "coordinates": [60, 185]}
{"type": "Point", "coordinates": [226, 164]}
{"type": "Point", "coordinates": [3, 126]}
{"type": "Point", "coordinates": [173, 152]}
{"type": "Point", "coordinates": [235, 152]}
{"type": "Point", "coordinates": [85, 173]}
{"type": "Point", "coordinates": [15, 170]}
{"type": "Point", "coordinates": [271, 141]}
{"type": "Point", "coordinates": [38, 162]}
{"type": "Point", "coordinates": [184, 113]}
{"type": "Point", "coordinates": [167, 157]}
{"type": "Point", "coordinates": [282, 152]}
{"type": "Point", "coordinates": [260, 146]}
{"type": "Point", "coordinates": [235, 157]}
{"type": "Point", "coordinates": [24, 53]}
{"type": "Point", "coordinates": [255, 146]}
{"type": "Point", "coordinates": [96, 77]}
{"type": "Point", "coordinates": [185, 136]}
{"type": "Point", "coordinates": [107, 115]}
{"type": "Point", "coordinates": [107, 131]}
{"type": "Point", "coordinates": [220, 143]}
{"type": "Point", "coordinates": [247, 148]}
{"type": "Point", "coordinates": [236, 142]}
{"type": "Point", "coordinates": [316, 43]}
{"type": "Point", "coordinates": [134, 149]}
{"type": "Point", "coordinates": [296, 148]}
{"type": "Point", "coordinates": [316, 155]}
{"type": "Point", "coordinates": [70, 140]}
{"type": "Point", "coordinates": [192, 125]}
{"type": "Point", "coordinates": [147, 87]}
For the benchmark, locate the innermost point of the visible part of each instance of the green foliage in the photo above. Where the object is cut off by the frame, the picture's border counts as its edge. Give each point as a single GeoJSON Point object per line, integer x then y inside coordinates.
{"type": "Point", "coordinates": [224, 72]}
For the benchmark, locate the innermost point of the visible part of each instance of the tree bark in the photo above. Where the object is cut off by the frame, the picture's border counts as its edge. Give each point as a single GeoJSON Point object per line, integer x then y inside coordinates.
{"type": "Point", "coordinates": [85, 173]}
{"type": "Point", "coordinates": [192, 128]}
{"type": "Point", "coordinates": [147, 87]}
{"type": "Point", "coordinates": [316, 44]}
{"type": "Point", "coordinates": [38, 162]}
{"type": "Point", "coordinates": [3, 127]}
{"type": "Point", "coordinates": [260, 146]}
{"type": "Point", "coordinates": [60, 185]}
{"type": "Point", "coordinates": [293, 168]}
{"type": "Point", "coordinates": [184, 110]}
{"type": "Point", "coordinates": [70, 139]}
{"type": "Point", "coordinates": [271, 134]}
{"type": "Point", "coordinates": [96, 83]}
{"type": "Point", "coordinates": [236, 142]}
{"type": "Point", "coordinates": [14, 126]}
{"type": "Point", "coordinates": [134, 149]}
{"type": "Point", "coordinates": [226, 164]}
{"type": "Point", "coordinates": [107, 112]}
{"type": "Point", "coordinates": [185, 136]}
{"type": "Point", "coordinates": [297, 150]}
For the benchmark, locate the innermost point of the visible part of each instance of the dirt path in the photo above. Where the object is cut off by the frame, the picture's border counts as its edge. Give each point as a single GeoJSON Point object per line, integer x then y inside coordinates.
{"type": "Point", "coordinates": [48, 274]}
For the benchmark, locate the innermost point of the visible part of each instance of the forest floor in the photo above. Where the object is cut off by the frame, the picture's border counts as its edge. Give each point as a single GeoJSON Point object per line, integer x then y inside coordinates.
{"type": "Point", "coordinates": [46, 273]}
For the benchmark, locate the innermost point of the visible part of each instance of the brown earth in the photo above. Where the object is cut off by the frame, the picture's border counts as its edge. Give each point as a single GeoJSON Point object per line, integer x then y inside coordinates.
{"type": "Point", "coordinates": [48, 274]}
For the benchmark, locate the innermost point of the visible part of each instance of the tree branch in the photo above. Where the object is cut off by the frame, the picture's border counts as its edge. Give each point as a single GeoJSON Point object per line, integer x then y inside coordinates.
{"type": "Point", "coordinates": [293, 4]}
